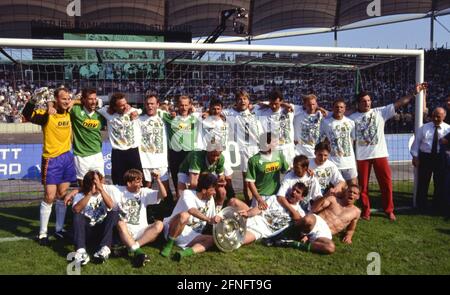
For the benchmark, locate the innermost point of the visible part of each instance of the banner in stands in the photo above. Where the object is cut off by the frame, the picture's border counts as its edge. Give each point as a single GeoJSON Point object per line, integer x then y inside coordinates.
{"type": "Point", "coordinates": [23, 161]}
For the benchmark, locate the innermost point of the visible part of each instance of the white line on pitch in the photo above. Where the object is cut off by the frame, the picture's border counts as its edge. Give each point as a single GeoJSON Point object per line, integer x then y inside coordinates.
{"type": "Point", "coordinates": [13, 239]}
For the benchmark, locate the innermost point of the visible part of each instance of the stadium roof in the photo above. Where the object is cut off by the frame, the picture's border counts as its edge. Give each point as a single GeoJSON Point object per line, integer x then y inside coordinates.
{"type": "Point", "coordinates": [202, 16]}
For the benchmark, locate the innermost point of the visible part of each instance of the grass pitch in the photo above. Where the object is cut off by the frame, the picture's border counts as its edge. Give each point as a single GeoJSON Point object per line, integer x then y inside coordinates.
{"type": "Point", "coordinates": [415, 244]}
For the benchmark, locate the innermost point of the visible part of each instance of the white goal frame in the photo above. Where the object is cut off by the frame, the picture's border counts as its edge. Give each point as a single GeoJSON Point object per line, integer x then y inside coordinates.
{"type": "Point", "coordinates": [419, 54]}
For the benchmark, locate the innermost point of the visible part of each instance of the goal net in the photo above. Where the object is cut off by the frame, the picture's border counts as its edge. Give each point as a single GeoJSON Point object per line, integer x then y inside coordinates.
{"type": "Point", "coordinates": [201, 72]}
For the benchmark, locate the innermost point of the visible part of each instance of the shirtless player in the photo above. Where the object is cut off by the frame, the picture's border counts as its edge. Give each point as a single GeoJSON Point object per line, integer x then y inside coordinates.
{"type": "Point", "coordinates": [329, 216]}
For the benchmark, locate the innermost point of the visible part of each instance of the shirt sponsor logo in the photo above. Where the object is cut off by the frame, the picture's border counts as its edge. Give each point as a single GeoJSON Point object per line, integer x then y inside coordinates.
{"type": "Point", "coordinates": [90, 123]}
{"type": "Point", "coordinates": [272, 167]}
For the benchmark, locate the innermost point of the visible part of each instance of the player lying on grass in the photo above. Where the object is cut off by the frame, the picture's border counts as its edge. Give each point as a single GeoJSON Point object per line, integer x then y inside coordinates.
{"type": "Point", "coordinates": [132, 207]}
{"type": "Point", "coordinates": [92, 214]}
{"type": "Point", "coordinates": [329, 216]}
{"type": "Point", "coordinates": [194, 210]}
{"type": "Point", "coordinates": [265, 223]}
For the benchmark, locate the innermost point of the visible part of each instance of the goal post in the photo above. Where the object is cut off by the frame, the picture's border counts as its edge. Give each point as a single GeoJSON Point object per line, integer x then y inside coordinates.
{"type": "Point", "coordinates": [341, 58]}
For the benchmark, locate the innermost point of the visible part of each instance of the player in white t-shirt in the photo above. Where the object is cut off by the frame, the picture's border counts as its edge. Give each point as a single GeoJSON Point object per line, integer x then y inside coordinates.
{"type": "Point", "coordinates": [92, 212]}
{"type": "Point", "coordinates": [263, 224]}
{"type": "Point", "coordinates": [307, 122]}
{"type": "Point", "coordinates": [124, 135]}
{"type": "Point", "coordinates": [244, 131]}
{"type": "Point", "coordinates": [278, 119]}
{"type": "Point", "coordinates": [214, 132]}
{"type": "Point", "coordinates": [132, 205]}
{"type": "Point", "coordinates": [371, 149]}
{"type": "Point", "coordinates": [194, 210]}
{"type": "Point", "coordinates": [340, 133]}
{"type": "Point", "coordinates": [330, 179]}
{"type": "Point", "coordinates": [153, 147]}
{"type": "Point", "coordinates": [299, 173]}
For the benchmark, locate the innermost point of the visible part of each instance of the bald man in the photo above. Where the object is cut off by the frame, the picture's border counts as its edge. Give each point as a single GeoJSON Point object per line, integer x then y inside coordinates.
{"type": "Point", "coordinates": [427, 157]}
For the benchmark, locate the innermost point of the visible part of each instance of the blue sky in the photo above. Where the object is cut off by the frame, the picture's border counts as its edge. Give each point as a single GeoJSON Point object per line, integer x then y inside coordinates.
{"type": "Point", "coordinates": [399, 35]}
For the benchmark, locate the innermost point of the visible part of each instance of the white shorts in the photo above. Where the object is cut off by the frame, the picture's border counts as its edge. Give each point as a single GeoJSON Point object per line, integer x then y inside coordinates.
{"type": "Point", "coordinates": [320, 230]}
{"type": "Point", "coordinates": [185, 238]}
{"type": "Point", "coordinates": [246, 154]}
{"type": "Point", "coordinates": [163, 173]}
{"type": "Point", "coordinates": [289, 154]}
{"type": "Point", "coordinates": [228, 170]}
{"type": "Point", "coordinates": [84, 164]}
{"type": "Point", "coordinates": [136, 231]}
{"type": "Point", "coordinates": [258, 227]}
{"type": "Point", "coordinates": [255, 203]}
{"type": "Point", "coordinates": [349, 173]}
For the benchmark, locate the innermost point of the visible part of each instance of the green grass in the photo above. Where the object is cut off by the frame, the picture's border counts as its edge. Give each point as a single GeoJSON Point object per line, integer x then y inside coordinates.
{"type": "Point", "coordinates": [415, 244]}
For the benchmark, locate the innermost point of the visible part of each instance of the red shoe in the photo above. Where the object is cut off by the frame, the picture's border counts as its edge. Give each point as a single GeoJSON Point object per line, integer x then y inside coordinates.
{"type": "Point", "coordinates": [365, 217]}
{"type": "Point", "coordinates": [391, 216]}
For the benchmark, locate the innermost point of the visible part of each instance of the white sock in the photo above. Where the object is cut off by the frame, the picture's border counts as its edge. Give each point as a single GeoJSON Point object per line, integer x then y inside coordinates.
{"type": "Point", "coordinates": [60, 214]}
{"type": "Point", "coordinates": [45, 211]}
{"type": "Point", "coordinates": [135, 247]}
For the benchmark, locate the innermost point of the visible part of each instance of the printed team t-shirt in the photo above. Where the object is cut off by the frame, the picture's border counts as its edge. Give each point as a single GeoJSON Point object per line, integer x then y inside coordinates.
{"type": "Point", "coordinates": [327, 173]}
{"type": "Point", "coordinates": [306, 131]}
{"type": "Point", "coordinates": [311, 182]}
{"type": "Point", "coordinates": [153, 148]}
{"type": "Point", "coordinates": [279, 122]}
{"type": "Point", "coordinates": [124, 133]}
{"type": "Point", "coordinates": [132, 207]}
{"type": "Point", "coordinates": [340, 134]}
{"type": "Point", "coordinates": [370, 140]}
{"type": "Point", "coordinates": [96, 210]}
{"type": "Point", "coordinates": [190, 200]}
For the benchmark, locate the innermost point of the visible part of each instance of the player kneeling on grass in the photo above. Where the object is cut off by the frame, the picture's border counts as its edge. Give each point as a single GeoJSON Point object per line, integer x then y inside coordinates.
{"type": "Point", "coordinates": [92, 212]}
{"type": "Point", "coordinates": [133, 227]}
{"type": "Point", "coordinates": [193, 211]}
{"type": "Point", "coordinates": [330, 215]}
{"type": "Point", "coordinates": [263, 224]}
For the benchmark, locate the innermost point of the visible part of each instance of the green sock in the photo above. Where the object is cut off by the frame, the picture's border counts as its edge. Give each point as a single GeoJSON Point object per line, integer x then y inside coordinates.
{"type": "Point", "coordinates": [187, 252]}
{"type": "Point", "coordinates": [302, 246]}
{"type": "Point", "coordinates": [167, 248]}
{"type": "Point", "coordinates": [138, 251]}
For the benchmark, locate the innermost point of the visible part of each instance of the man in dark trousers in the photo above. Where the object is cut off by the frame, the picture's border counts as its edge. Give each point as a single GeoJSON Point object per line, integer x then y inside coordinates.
{"type": "Point", "coordinates": [426, 156]}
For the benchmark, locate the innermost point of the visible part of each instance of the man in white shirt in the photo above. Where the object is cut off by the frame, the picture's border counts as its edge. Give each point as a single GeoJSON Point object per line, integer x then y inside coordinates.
{"type": "Point", "coordinates": [279, 121]}
{"type": "Point", "coordinates": [426, 156]}
{"type": "Point", "coordinates": [266, 223]}
{"type": "Point", "coordinates": [244, 130]}
{"type": "Point", "coordinates": [92, 214]}
{"type": "Point", "coordinates": [153, 147]}
{"type": "Point", "coordinates": [340, 132]}
{"type": "Point", "coordinates": [330, 179]}
{"type": "Point", "coordinates": [299, 173]}
{"type": "Point", "coordinates": [214, 132]}
{"type": "Point", "coordinates": [131, 204]}
{"type": "Point", "coordinates": [307, 122]}
{"type": "Point", "coordinates": [124, 134]}
{"type": "Point", "coordinates": [371, 149]}
{"type": "Point", "coordinates": [194, 210]}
